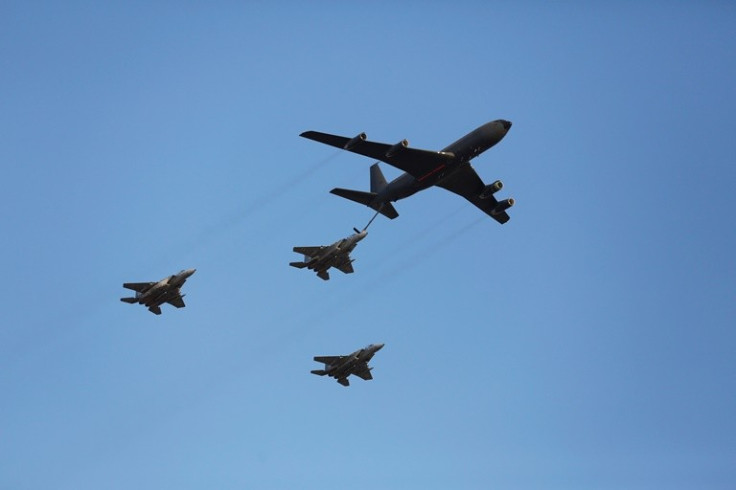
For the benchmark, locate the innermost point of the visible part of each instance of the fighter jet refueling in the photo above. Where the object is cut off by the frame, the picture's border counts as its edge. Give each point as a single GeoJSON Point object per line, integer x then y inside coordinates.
{"type": "Point", "coordinates": [449, 168]}
{"type": "Point", "coordinates": [337, 255]}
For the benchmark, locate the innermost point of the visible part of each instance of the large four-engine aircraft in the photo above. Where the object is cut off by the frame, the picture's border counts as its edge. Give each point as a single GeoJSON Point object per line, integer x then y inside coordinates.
{"type": "Point", "coordinates": [449, 168]}
{"type": "Point", "coordinates": [154, 294]}
{"type": "Point", "coordinates": [340, 367]}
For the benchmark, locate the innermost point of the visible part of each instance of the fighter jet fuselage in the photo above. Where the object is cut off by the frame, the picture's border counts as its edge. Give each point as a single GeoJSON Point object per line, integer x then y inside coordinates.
{"type": "Point", "coordinates": [154, 294]}
{"type": "Point", "coordinates": [340, 367]}
{"type": "Point", "coordinates": [337, 255]}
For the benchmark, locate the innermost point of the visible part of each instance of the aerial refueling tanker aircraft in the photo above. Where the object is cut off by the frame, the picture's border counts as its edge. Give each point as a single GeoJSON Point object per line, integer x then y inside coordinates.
{"type": "Point", "coordinates": [449, 168]}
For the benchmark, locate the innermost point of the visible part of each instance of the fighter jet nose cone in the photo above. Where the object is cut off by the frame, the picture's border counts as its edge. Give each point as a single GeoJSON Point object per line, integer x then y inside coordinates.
{"type": "Point", "coordinates": [506, 124]}
{"type": "Point", "coordinates": [379, 346]}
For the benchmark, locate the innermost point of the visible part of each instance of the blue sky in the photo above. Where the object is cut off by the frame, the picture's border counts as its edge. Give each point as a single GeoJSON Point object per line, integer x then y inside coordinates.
{"type": "Point", "coordinates": [588, 343]}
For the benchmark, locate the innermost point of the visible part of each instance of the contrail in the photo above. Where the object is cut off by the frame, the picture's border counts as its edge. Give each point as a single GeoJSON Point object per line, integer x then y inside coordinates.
{"type": "Point", "coordinates": [230, 220]}
{"type": "Point", "coordinates": [288, 185]}
{"type": "Point", "coordinates": [417, 237]}
{"type": "Point", "coordinates": [421, 255]}
{"type": "Point", "coordinates": [313, 316]}
{"type": "Point", "coordinates": [263, 201]}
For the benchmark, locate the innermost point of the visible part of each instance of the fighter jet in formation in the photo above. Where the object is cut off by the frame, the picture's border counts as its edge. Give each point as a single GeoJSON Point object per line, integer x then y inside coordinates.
{"type": "Point", "coordinates": [337, 255]}
{"type": "Point", "coordinates": [340, 367]}
{"type": "Point", "coordinates": [449, 168]}
{"type": "Point", "coordinates": [154, 294]}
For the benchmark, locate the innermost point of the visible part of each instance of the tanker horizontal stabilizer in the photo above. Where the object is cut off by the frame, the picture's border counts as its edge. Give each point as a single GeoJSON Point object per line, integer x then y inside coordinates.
{"type": "Point", "coordinates": [366, 198]}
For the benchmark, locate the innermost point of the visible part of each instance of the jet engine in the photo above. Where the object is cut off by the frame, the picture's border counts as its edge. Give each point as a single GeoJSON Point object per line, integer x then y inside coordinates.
{"type": "Point", "coordinates": [503, 206]}
{"type": "Point", "coordinates": [401, 145]}
{"type": "Point", "coordinates": [355, 142]}
{"type": "Point", "coordinates": [491, 189]}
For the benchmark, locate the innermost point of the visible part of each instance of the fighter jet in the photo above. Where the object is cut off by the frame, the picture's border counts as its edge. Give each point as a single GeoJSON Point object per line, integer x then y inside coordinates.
{"type": "Point", "coordinates": [337, 255]}
{"type": "Point", "coordinates": [340, 367]}
{"type": "Point", "coordinates": [449, 168]}
{"type": "Point", "coordinates": [154, 294]}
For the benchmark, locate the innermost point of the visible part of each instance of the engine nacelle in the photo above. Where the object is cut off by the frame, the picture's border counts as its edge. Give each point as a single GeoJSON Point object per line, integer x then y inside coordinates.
{"type": "Point", "coordinates": [503, 206]}
{"type": "Point", "coordinates": [491, 189]}
{"type": "Point", "coordinates": [400, 146]}
{"type": "Point", "coordinates": [354, 142]}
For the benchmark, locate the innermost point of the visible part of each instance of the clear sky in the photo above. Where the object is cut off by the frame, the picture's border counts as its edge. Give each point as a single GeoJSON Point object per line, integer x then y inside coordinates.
{"type": "Point", "coordinates": [588, 343]}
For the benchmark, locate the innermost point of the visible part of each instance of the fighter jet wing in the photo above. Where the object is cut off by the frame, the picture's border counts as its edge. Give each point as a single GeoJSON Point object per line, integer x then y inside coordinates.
{"type": "Point", "coordinates": [139, 287]}
{"type": "Point", "coordinates": [178, 302]}
{"type": "Point", "coordinates": [346, 267]}
{"type": "Point", "coordinates": [308, 251]}
{"type": "Point", "coordinates": [465, 182]}
{"type": "Point", "coordinates": [363, 372]}
{"type": "Point", "coordinates": [418, 163]}
{"type": "Point", "coordinates": [331, 360]}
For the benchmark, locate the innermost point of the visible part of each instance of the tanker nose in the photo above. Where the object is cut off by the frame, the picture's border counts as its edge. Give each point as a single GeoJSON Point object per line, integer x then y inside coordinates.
{"type": "Point", "coordinates": [506, 124]}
